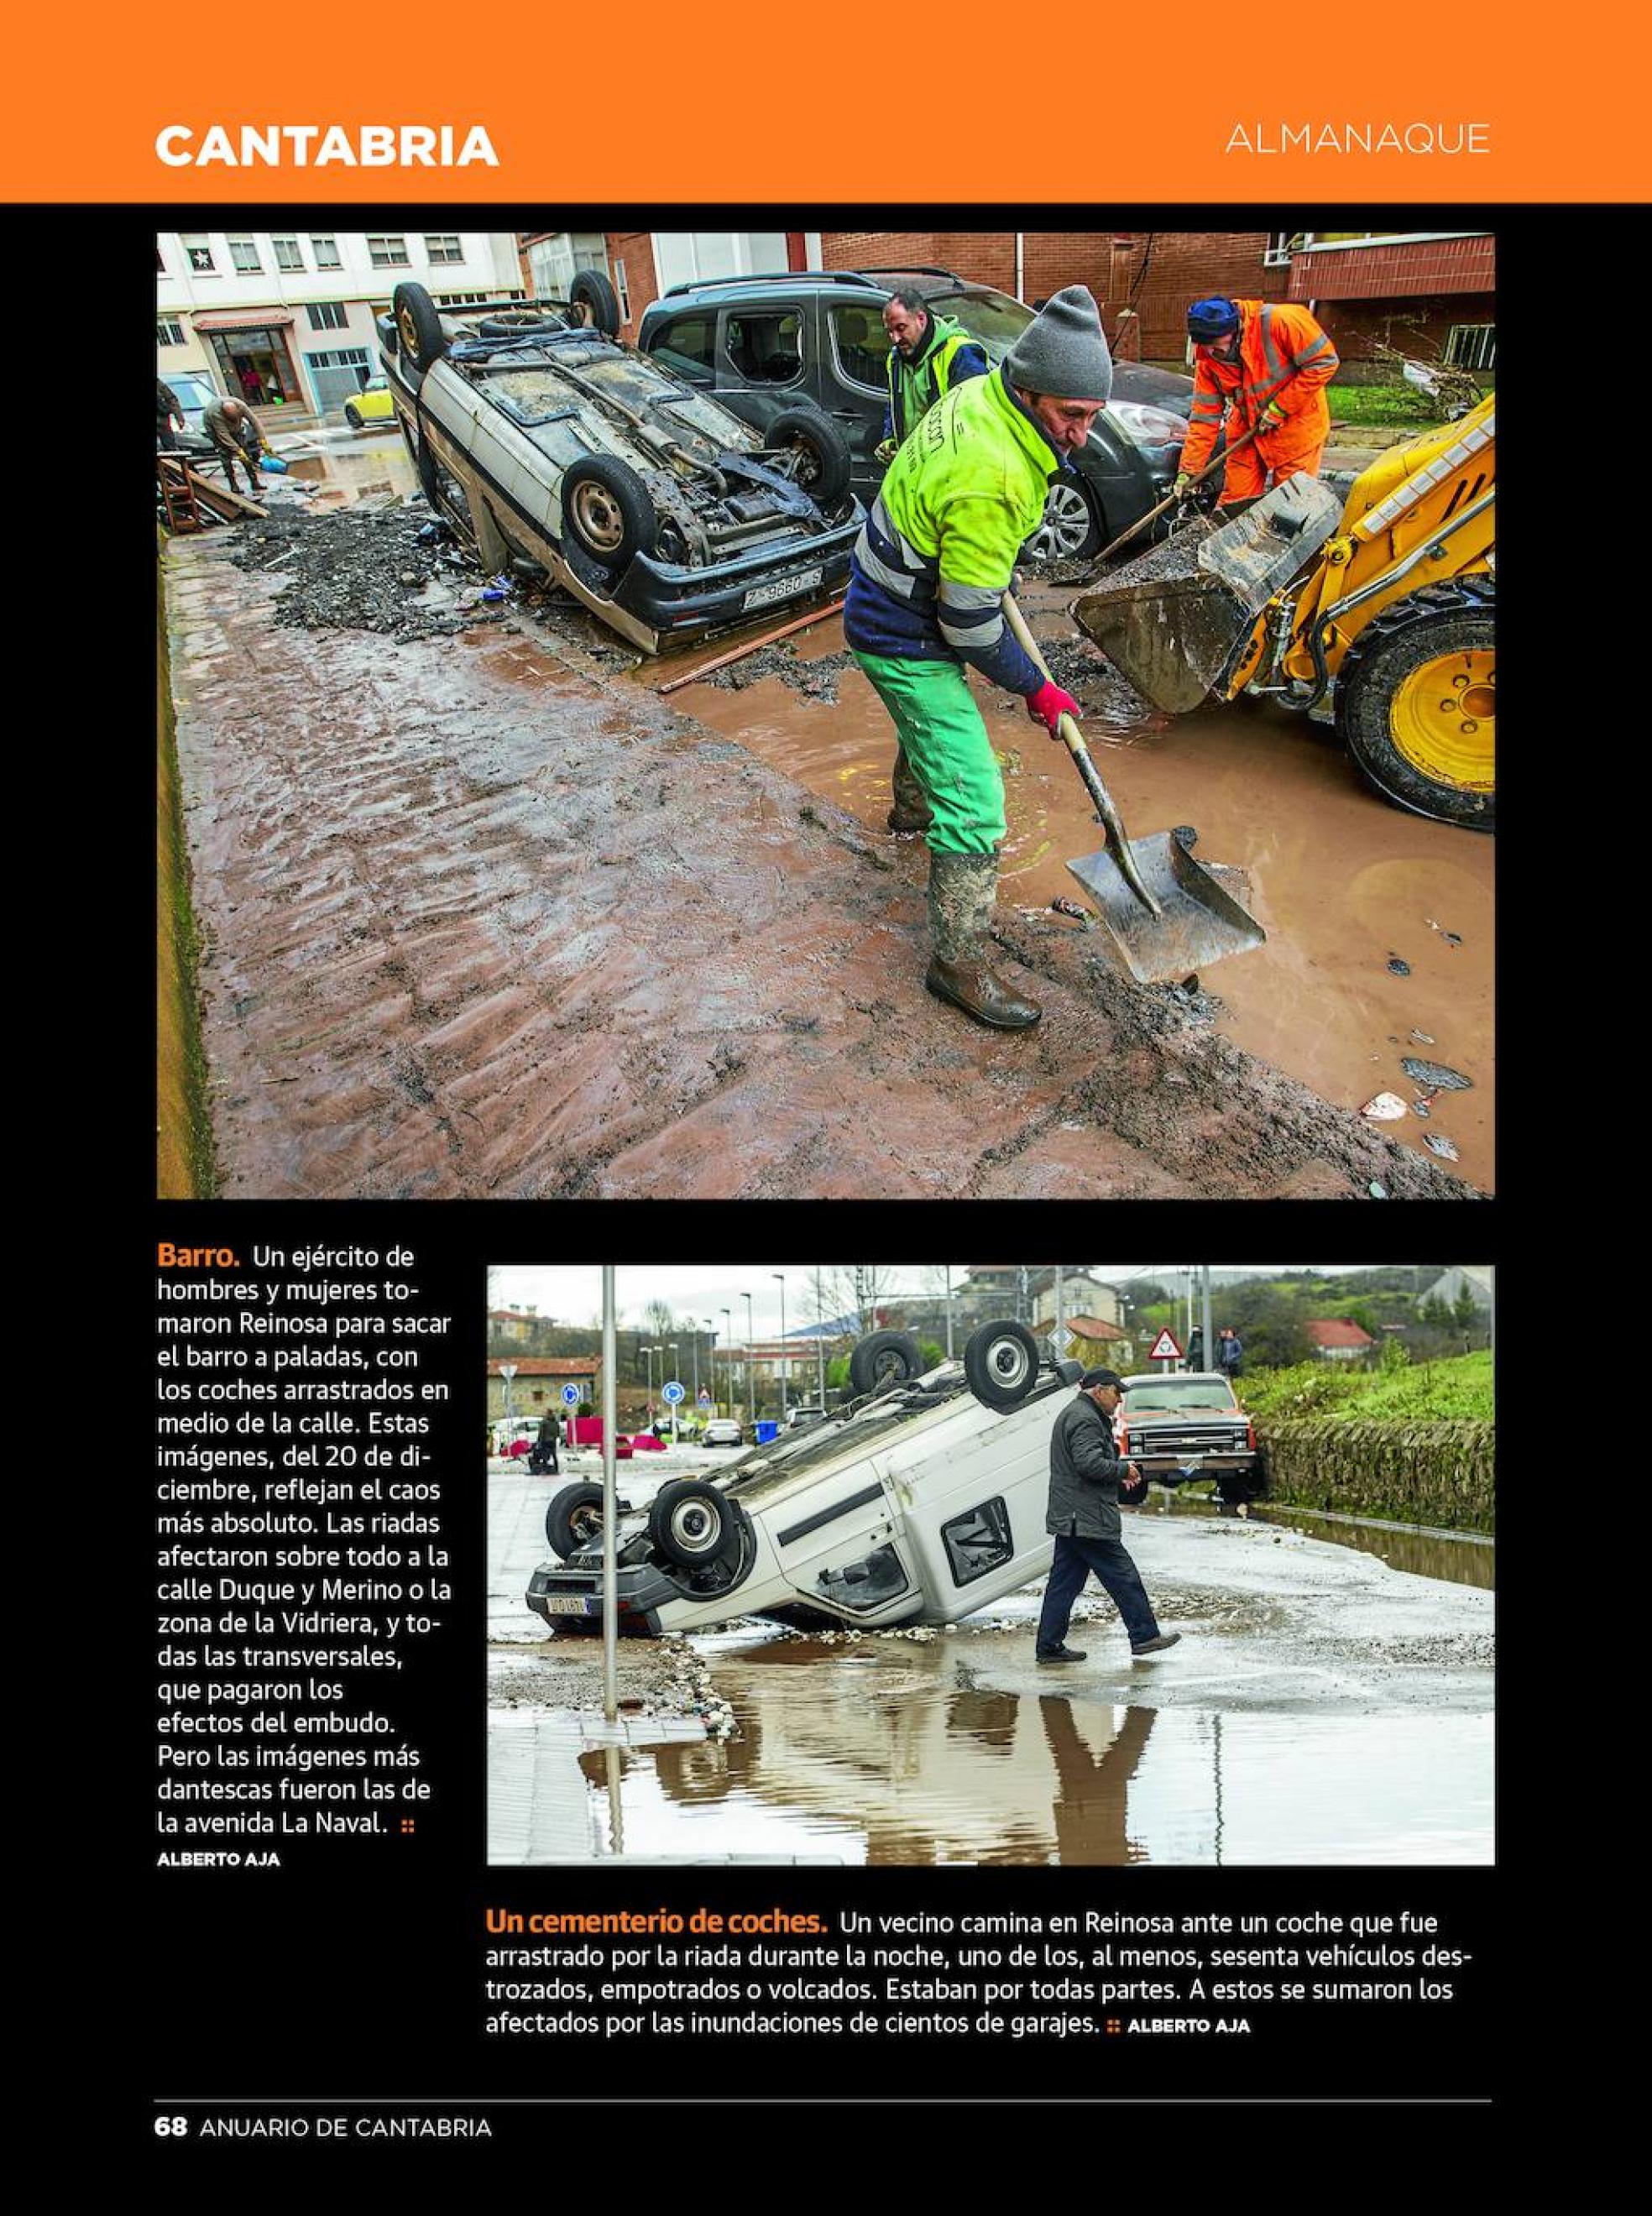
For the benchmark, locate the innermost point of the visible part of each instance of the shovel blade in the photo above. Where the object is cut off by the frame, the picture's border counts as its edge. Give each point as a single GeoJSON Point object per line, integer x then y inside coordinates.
{"type": "Point", "coordinates": [1199, 923]}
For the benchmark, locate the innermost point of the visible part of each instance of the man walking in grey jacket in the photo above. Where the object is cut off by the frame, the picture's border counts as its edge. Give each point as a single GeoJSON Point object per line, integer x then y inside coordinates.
{"type": "Point", "coordinates": [1085, 1471]}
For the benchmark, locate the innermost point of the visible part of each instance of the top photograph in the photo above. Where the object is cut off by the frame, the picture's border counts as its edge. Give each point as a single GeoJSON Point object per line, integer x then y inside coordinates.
{"type": "Point", "coordinates": [969, 714]}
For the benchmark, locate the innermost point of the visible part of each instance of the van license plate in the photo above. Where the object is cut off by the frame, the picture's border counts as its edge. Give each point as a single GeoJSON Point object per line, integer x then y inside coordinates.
{"type": "Point", "coordinates": [569, 1605]}
{"type": "Point", "coordinates": [782, 588]}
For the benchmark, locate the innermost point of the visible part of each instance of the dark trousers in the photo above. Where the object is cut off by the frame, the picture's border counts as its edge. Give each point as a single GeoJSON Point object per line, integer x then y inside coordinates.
{"type": "Point", "coordinates": [1075, 1560]}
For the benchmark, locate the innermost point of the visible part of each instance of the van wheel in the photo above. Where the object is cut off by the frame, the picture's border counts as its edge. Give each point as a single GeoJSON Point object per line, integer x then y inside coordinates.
{"type": "Point", "coordinates": [573, 1519]}
{"type": "Point", "coordinates": [1001, 1361]}
{"type": "Point", "coordinates": [693, 1524]}
{"type": "Point", "coordinates": [607, 511]}
{"type": "Point", "coordinates": [592, 293]}
{"type": "Point", "coordinates": [418, 327]}
{"type": "Point", "coordinates": [823, 460]}
{"type": "Point", "coordinates": [885, 1357]}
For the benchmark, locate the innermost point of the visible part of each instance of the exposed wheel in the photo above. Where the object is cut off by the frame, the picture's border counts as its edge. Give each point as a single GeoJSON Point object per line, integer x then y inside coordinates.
{"type": "Point", "coordinates": [1001, 1361]}
{"type": "Point", "coordinates": [1070, 528]}
{"type": "Point", "coordinates": [1416, 702]}
{"type": "Point", "coordinates": [517, 322]}
{"type": "Point", "coordinates": [573, 1518]}
{"type": "Point", "coordinates": [597, 301]}
{"type": "Point", "coordinates": [693, 1524]}
{"type": "Point", "coordinates": [883, 1355]}
{"type": "Point", "coordinates": [607, 511]}
{"type": "Point", "coordinates": [418, 328]}
{"type": "Point", "coordinates": [823, 461]}
{"type": "Point", "coordinates": [352, 416]}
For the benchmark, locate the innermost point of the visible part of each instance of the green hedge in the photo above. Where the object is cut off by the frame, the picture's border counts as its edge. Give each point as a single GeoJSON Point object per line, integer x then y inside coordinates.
{"type": "Point", "coordinates": [1442, 1474]}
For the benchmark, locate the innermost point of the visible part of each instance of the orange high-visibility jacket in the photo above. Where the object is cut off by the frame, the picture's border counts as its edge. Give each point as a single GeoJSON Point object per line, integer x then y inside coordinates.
{"type": "Point", "coordinates": [1284, 356]}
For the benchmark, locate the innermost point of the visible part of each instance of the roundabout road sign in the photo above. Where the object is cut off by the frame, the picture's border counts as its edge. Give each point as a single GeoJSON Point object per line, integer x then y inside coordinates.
{"type": "Point", "coordinates": [672, 1394]}
{"type": "Point", "coordinates": [570, 1396]}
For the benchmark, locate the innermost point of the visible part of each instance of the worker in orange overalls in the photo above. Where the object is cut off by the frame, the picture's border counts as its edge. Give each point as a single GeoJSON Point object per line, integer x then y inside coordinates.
{"type": "Point", "coordinates": [1269, 361]}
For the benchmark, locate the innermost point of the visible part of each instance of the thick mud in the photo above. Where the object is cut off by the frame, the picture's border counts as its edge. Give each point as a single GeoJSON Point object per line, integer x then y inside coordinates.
{"type": "Point", "coordinates": [481, 920]}
{"type": "Point", "coordinates": [1340, 882]}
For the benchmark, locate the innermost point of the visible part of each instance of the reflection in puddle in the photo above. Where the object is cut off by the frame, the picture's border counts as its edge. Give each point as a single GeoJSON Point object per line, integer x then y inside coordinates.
{"type": "Point", "coordinates": [1470, 1559]}
{"type": "Point", "coordinates": [902, 1756]}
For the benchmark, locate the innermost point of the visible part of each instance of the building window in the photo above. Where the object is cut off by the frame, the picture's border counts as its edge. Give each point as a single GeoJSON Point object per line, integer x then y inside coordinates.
{"type": "Point", "coordinates": [168, 333]}
{"type": "Point", "coordinates": [475, 299]}
{"type": "Point", "coordinates": [325, 249]}
{"type": "Point", "coordinates": [328, 316]}
{"type": "Point", "coordinates": [386, 251]}
{"type": "Point", "coordinates": [623, 291]}
{"type": "Point", "coordinates": [1281, 245]}
{"type": "Point", "coordinates": [243, 252]}
{"type": "Point", "coordinates": [1472, 346]}
{"type": "Point", "coordinates": [287, 254]}
{"type": "Point", "coordinates": [443, 246]}
{"type": "Point", "coordinates": [198, 253]}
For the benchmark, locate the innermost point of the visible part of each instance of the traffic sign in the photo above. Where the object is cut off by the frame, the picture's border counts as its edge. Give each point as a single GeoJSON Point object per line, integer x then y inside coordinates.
{"type": "Point", "coordinates": [672, 1392]}
{"type": "Point", "coordinates": [570, 1396]}
{"type": "Point", "coordinates": [1164, 1348]}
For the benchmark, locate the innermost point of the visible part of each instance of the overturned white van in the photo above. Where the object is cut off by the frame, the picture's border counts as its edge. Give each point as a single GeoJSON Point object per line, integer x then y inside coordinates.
{"type": "Point", "coordinates": [919, 1502]}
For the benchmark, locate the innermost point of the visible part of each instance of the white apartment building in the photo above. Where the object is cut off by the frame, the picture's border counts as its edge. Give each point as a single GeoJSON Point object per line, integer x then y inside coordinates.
{"type": "Point", "coordinates": [285, 319]}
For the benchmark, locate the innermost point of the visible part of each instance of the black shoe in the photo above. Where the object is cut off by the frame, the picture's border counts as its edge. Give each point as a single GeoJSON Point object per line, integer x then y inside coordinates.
{"type": "Point", "coordinates": [1060, 1654]}
{"type": "Point", "coordinates": [1158, 1645]}
{"type": "Point", "coordinates": [981, 994]}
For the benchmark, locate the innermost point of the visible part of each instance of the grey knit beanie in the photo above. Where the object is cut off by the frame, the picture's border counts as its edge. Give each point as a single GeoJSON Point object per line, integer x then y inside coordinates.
{"type": "Point", "coordinates": [1061, 351]}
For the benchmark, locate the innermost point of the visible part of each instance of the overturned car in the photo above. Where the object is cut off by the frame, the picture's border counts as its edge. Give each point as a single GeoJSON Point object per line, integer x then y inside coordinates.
{"type": "Point", "coordinates": [920, 1501]}
{"type": "Point", "coordinates": [538, 435]}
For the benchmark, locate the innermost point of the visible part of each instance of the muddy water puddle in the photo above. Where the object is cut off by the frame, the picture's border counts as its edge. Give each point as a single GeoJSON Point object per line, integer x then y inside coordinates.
{"type": "Point", "coordinates": [1466, 1559]}
{"type": "Point", "coordinates": [894, 1753]}
{"type": "Point", "coordinates": [1343, 884]}
{"type": "Point", "coordinates": [377, 465]}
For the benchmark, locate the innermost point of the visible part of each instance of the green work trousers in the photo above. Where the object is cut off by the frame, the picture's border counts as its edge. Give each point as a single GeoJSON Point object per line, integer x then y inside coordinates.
{"type": "Point", "coordinates": [947, 744]}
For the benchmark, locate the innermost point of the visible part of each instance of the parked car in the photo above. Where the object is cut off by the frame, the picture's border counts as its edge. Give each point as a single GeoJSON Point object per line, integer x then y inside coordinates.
{"type": "Point", "coordinates": [796, 1417]}
{"type": "Point", "coordinates": [721, 1431]}
{"type": "Point", "coordinates": [195, 394]}
{"type": "Point", "coordinates": [1189, 1423]}
{"type": "Point", "coordinates": [921, 1500]}
{"type": "Point", "coordinates": [762, 343]}
{"type": "Point", "coordinates": [374, 403]}
{"type": "Point", "coordinates": [536, 434]}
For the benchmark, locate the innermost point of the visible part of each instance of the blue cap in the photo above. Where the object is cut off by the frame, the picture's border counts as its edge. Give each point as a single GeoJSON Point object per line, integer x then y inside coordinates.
{"type": "Point", "coordinates": [1212, 319]}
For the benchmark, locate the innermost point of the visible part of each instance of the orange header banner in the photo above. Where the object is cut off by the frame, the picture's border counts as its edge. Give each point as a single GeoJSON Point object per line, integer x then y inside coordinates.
{"type": "Point", "coordinates": [860, 104]}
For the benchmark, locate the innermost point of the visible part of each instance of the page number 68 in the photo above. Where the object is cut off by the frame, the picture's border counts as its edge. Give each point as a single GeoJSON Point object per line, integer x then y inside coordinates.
{"type": "Point", "coordinates": [171, 2127]}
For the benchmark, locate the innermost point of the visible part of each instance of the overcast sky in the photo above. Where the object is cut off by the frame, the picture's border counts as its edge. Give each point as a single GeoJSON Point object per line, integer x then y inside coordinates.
{"type": "Point", "coordinates": [574, 1296]}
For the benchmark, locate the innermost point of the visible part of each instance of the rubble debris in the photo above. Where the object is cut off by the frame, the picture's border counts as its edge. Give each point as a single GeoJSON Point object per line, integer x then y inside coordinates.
{"type": "Point", "coordinates": [1435, 1076]}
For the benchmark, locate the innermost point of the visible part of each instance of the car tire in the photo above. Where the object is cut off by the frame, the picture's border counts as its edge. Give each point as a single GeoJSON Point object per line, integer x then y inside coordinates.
{"type": "Point", "coordinates": [1072, 528]}
{"type": "Point", "coordinates": [569, 1521]}
{"type": "Point", "coordinates": [824, 462]}
{"type": "Point", "coordinates": [592, 292]}
{"type": "Point", "coordinates": [883, 1356]}
{"type": "Point", "coordinates": [418, 329]}
{"type": "Point", "coordinates": [1001, 1361]}
{"type": "Point", "coordinates": [1390, 715]}
{"type": "Point", "coordinates": [606, 511]}
{"type": "Point", "coordinates": [693, 1524]}
{"type": "Point", "coordinates": [353, 419]}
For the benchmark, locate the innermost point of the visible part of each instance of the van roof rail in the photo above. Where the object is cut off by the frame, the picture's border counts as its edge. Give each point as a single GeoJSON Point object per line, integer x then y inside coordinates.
{"type": "Point", "coordinates": [774, 277]}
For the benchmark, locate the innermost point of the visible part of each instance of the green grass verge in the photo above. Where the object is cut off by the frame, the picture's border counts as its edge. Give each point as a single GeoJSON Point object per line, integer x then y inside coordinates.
{"type": "Point", "coordinates": [1458, 1390]}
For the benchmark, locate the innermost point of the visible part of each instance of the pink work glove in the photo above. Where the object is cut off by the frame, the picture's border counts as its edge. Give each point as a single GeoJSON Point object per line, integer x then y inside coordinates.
{"type": "Point", "coordinates": [1048, 704]}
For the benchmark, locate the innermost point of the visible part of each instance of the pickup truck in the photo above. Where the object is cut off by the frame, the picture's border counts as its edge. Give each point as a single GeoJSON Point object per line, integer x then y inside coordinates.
{"type": "Point", "coordinates": [1189, 1423]}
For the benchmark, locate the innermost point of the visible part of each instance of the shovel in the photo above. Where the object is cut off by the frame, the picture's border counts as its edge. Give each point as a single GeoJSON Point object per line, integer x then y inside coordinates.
{"type": "Point", "coordinates": [1164, 913]}
{"type": "Point", "coordinates": [1171, 499]}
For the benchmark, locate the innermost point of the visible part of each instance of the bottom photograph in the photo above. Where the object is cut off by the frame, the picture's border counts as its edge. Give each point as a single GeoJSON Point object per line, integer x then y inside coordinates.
{"type": "Point", "coordinates": [931, 1564]}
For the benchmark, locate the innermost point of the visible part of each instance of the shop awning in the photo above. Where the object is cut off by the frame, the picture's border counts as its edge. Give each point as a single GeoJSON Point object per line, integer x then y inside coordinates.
{"type": "Point", "coordinates": [246, 319]}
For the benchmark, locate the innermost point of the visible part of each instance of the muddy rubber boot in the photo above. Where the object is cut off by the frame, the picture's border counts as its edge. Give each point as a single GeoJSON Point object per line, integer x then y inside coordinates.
{"type": "Point", "coordinates": [961, 891]}
{"type": "Point", "coordinates": [911, 811]}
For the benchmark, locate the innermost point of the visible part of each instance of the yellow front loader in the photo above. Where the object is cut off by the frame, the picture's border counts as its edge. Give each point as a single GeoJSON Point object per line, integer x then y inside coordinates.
{"type": "Point", "coordinates": [1376, 614]}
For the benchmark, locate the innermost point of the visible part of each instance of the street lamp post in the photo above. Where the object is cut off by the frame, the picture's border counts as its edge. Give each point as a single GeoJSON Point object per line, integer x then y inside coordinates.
{"type": "Point", "coordinates": [728, 1355]}
{"type": "Point", "coordinates": [751, 1397]}
{"type": "Point", "coordinates": [820, 1343]}
{"type": "Point", "coordinates": [785, 1362]}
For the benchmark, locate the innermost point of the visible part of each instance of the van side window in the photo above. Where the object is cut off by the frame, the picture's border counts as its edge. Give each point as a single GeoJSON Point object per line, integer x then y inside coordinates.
{"type": "Point", "coordinates": [684, 345]}
{"type": "Point", "coordinates": [765, 349]}
{"type": "Point", "coordinates": [861, 344]}
{"type": "Point", "coordinates": [977, 1542]}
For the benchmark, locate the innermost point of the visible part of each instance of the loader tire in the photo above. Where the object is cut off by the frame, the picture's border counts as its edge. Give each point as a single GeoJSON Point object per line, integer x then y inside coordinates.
{"type": "Point", "coordinates": [1416, 702]}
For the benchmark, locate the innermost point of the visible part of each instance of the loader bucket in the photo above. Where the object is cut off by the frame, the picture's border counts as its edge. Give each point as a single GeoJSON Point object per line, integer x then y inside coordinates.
{"type": "Point", "coordinates": [1171, 621]}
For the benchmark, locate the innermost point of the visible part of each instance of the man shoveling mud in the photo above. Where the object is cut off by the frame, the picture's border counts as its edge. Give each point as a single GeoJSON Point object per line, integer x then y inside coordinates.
{"type": "Point", "coordinates": [931, 567]}
{"type": "Point", "coordinates": [1085, 1475]}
